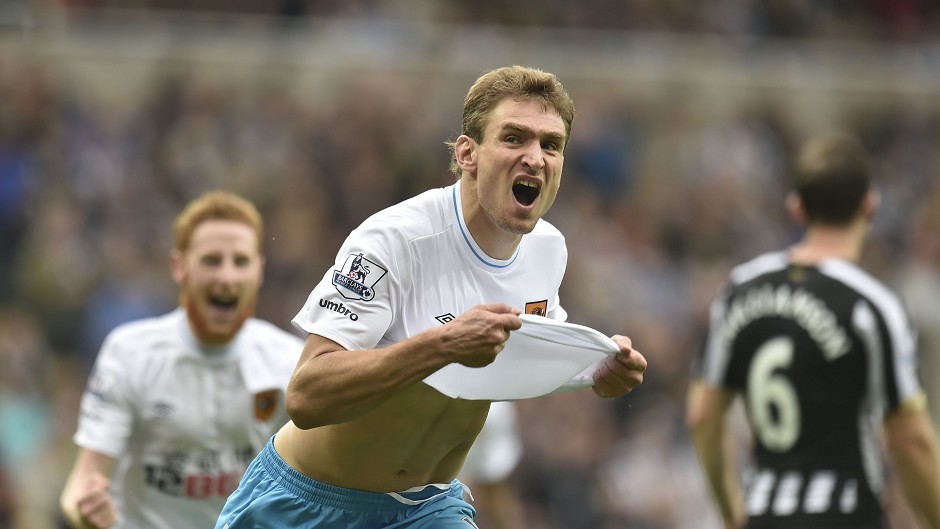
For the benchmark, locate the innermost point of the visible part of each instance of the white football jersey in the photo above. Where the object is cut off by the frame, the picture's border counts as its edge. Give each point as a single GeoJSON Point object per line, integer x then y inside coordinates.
{"type": "Point", "coordinates": [414, 265]}
{"type": "Point", "coordinates": [183, 420]}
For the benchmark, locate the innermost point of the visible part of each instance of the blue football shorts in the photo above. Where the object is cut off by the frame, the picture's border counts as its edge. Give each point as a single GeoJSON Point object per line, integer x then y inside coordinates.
{"type": "Point", "coordinates": [272, 495]}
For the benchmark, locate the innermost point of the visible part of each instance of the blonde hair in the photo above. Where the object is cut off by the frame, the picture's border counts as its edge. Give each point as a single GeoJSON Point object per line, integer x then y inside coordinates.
{"type": "Point", "coordinates": [519, 83]}
{"type": "Point", "coordinates": [215, 205]}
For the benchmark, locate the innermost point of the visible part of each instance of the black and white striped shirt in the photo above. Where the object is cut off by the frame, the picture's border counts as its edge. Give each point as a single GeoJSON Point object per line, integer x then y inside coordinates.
{"type": "Point", "coordinates": [821, 354]}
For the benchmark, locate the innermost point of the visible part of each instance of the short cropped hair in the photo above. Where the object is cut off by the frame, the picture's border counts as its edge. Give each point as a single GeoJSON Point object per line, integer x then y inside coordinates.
{"type": "Point", "coordinates": [519, 83]}
{"type": "Point", "coordinates": [215, 205]}
{"type": "Point", "coordinates": [833, 175]}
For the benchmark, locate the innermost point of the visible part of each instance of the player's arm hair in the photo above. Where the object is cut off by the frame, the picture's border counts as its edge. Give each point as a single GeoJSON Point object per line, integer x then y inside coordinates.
{"type": "Point", "coordinates": [90, 468]}
{"type": "Point", "coordinates": [912, 446]}
{"type": "Point", "coordinates": [707, 421]}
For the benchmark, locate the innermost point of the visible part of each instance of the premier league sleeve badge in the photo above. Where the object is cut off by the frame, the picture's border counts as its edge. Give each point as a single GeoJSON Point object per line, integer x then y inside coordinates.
{"type": "Point", "coordinates": [357, 278]}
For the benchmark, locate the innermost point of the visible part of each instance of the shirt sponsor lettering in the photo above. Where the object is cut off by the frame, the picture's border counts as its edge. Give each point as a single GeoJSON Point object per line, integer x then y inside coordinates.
{"type": "Point", "coordinates": [197, 475]}
{"type": "Point", "coordinates": [339, 308]}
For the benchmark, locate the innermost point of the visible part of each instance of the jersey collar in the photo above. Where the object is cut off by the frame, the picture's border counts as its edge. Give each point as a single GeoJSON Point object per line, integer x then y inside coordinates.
{"type": "Point", "coordinates": [476, 253]}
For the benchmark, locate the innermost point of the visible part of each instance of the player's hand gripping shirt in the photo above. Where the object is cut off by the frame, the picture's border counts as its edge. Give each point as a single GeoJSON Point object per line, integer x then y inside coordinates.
{"type": "Point", "coordinates": [414, 265]}
{"type": "Point", "coordinates": [183, 420]}
{"type": "Point", "coordinates": [821, 354]}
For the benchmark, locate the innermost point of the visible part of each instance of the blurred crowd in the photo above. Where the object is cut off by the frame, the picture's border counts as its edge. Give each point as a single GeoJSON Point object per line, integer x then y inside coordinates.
{"type": "Point", "coordinates": [658, 202]}
{"type": "Point", "coordinates": [879, 20]}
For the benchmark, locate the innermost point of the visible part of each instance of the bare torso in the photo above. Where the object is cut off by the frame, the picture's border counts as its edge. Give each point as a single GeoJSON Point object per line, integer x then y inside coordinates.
{"type": "Point", "coordinates": [417, 437]}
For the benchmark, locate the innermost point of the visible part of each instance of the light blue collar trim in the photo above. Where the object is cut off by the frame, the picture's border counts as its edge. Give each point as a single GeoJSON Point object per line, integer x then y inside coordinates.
{"type": "Point", "coordinates": [477, 252]}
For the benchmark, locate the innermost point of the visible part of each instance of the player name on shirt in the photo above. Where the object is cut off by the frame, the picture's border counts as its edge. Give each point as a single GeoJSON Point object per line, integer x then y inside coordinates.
{"type": "Point", "coordinates": [798, 305]}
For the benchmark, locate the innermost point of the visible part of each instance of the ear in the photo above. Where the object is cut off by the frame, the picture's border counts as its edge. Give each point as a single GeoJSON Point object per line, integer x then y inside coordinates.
{"type": "Point", "coordinates": [795, 207]}
{"type": "Point", "coordinates": [177, 267]}
{"type": "Point", "coordinates": [870, 204]}
{"type": "Point", "coordinates": [465, 151]}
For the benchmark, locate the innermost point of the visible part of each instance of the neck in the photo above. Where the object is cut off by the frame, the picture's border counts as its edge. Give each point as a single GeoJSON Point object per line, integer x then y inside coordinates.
{"type": "Point", "coordinates": [830, 242]}
{"type": "Point", "coordinates": [495, 241]}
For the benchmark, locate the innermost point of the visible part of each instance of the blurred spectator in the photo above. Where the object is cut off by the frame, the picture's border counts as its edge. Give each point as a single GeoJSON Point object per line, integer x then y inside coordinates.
{"type": "Point", "coordinates": [918, 279]}
{"type": "Point", "coordinates": [28, 423]}
{"type": "Point", "coordinates": [565, 439]}
{"type": "Point", "coordinates": [7, 497]}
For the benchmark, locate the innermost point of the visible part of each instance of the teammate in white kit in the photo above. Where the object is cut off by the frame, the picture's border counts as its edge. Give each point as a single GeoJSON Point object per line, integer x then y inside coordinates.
{"type": "Point", "coordinates": [438, 279]}
{"type": "Point", "coordinates": [824, 357]}
{"type": "Point", "coordinates": [178, 405]}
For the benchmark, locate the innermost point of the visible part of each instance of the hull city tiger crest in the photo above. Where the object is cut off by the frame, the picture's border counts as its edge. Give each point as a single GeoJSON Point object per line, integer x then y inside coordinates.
{"type": "Point", "coordinates": [265, 404]}
{"type": "Point", "coordinates": [537, 308]}
{"type": "Point", "coordinates": [358, 277]}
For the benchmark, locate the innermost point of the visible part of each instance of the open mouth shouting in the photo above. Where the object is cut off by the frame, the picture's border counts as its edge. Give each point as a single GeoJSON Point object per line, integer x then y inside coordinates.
{"type": "Point", "coordinates": [223, 303]}
{"type": "Point", "coordinates": [526, 191]}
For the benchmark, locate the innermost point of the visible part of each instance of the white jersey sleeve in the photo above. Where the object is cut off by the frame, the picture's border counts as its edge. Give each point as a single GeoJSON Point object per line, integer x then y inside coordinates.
{"type": "Point", "coordinates": [106, 414]}
{"type": "Point", "coordinates": [368, 274]}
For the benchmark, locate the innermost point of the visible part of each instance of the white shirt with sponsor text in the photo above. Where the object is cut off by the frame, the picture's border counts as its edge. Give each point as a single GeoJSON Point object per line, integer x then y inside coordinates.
{"type": "Point", "coordinates": [183, 420]}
